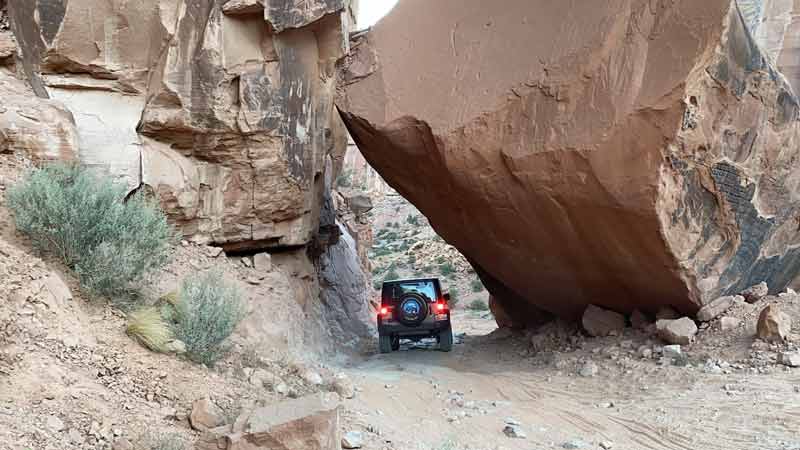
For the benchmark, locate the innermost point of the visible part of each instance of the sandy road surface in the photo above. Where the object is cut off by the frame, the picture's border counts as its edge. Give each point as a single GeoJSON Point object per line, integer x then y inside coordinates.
{"type": "Point", "coordinates": [412, 399]}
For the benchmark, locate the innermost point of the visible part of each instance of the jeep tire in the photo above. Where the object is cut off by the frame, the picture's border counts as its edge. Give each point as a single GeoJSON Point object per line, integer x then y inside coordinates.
{"type": "Point", "coordinates": [446, 339]}
{"type": "Point", "coordinates": [384, 343]}
{"type": "Point", "coordinates": [395, 343]}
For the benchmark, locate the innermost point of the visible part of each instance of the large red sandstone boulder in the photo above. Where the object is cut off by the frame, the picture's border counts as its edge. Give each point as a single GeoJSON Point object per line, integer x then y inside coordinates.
{"type": "Point", "coordinates": [624, 153]}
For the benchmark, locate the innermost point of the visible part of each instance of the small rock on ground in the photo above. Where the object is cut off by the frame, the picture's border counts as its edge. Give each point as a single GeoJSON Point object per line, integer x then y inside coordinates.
{"type": "Point", "coordinates": [514, 431]}
{"type": "Point", "coordinates": [607, 445]}
{"type": "Point", "coordinates": [205, 415]}
{"type": "Point", "coordinates": [791, 359]}
{"type": "Point", "coordinates": [715, 309]}
{"type": "Point", "coordinates": [352, 439]}
{"type": "Point", "coordinates": [774, 325]}
{"type": "Point", "coordinates": [574, 444]}
{"type": "Point", "coordinates": [680, 331]}
{"type": "Point", "coordinates": [755, 293]}
{"type": "Point", "coordinates": [588, 369]}
{"type": "Point", "coordinates": [728, 323]}
{"type": "Point", "coordinates": [602, 322]}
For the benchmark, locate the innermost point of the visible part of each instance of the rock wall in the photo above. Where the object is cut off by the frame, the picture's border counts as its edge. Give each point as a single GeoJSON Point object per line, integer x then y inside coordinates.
{"type": "Point", "coordinates": [625, 153]}
{"type": "Point", "coordinates": [223, 110]}
{"type": "Point", "coordinates": [775, 25]}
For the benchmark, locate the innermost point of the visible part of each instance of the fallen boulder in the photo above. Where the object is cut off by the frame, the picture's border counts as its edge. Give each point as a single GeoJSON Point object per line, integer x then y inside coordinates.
{"type": "Point", "coordinates": [773, 325]}
{"type": "Point", "coordinates": [308, 423]}
{"type": "Point", "coordinates": [679, 331]}
{"type": "Point", "coordinates": [602, 322]}
{"type": "Point", "coordinates": [669, 187]}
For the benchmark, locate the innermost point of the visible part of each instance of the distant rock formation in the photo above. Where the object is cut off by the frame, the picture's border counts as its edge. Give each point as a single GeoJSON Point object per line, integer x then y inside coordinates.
{"type": "Point", "coordinates": [628, 154]}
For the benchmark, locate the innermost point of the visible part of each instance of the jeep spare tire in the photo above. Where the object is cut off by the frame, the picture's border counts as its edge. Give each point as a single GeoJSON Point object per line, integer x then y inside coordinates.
{"type": "Point", "coordinates": [413, 309]}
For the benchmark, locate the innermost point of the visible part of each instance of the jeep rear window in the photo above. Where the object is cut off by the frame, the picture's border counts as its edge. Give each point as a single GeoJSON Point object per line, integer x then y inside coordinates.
{"type": "Point", "coordinates": [426, 288]}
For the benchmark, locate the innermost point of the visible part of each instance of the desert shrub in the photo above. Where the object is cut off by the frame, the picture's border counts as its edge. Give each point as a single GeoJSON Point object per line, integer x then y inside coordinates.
{"type": "Point", "coordinates": [411, 260]}
{"type": "Point", "coordinates": [345, 179]}
{"type": "Point", "coordinates": [207, 313]}
{"type": "Point", "coordinates": [476, 286]}
{"type": "Point", "coordinates": [149, 328]}
{"type": "Point", "coordinates": [478, 305]}
{"type": "Point", "coordinates": [446, 269]}
{"type": "Point", "coordinates": [412, 220]}
{"type": "Point", "coordinates": [377, 283]}
{"type": "Point", "coordinates": [392, 274]}
{"type": "Point", "coordinates": [440, 260]}
{"type": "Point", "coordinates": [110, 242]}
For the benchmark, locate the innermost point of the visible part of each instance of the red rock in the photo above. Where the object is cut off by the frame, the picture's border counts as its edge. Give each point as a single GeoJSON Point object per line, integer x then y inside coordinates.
{"type": "Point", "coordinates": [629, 169]}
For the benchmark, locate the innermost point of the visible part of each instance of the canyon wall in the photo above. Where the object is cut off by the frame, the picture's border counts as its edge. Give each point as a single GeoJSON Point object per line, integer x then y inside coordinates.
{"type": "Point", "coordinates": [624, 153]}
{"type": "Point", "coordinates": [222, 110]}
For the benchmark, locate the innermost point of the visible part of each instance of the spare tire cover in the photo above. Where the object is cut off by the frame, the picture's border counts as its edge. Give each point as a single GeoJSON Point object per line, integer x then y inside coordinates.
{"type": "Point", "coordinates": [413, 309]}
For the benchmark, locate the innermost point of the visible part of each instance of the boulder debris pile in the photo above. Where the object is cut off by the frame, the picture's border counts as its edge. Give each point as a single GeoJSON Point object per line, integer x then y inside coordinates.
{"type": "Point", "coordinates": [646, 161]}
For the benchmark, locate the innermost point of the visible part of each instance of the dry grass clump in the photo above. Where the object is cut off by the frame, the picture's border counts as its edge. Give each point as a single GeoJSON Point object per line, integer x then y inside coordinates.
{"type": "Point", "coordinates": [148, 327]}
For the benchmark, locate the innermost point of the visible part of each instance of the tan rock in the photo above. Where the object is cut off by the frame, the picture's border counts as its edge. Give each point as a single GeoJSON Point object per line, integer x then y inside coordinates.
{"type": "Point", "coordinates": [262, 262]}
{"type": "Point", "coordinates": [679, 331]}
{"type": "Point", "coordinates": [602, 322]}
{"type": "Point", "coordinates": [728, 323]}
{"type": "Point", "coordinates": [755, 293]}
{"type": "Point", "coordinates": [773, 325]}
{"type": "Point", "coordinates": [715, 309]}
{"type": "Point", "coordinates": [627, 198]}
{"type": "Point", "coordinates": [205, 415]}
{"type": "Point", "coordinates": [38, 128]}
{"type": "Point", "coordinates": [309, 423]}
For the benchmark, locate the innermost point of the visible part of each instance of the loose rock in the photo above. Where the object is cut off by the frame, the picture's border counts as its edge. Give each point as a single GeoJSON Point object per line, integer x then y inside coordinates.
{"type": "Point", "coordinates": [574, 444]}
{"type": "Point", "coordinates": [728, 323]}
{"type": "Point", "coordinates": [589, 369]}
{"type": "Point", "coordinates": [755, 293]}
{"type": "Point", "coordinates": [715, 309]}
{"type": "Point", "coordinates": [352, 439]}
{"type": "Point", "coordinates": [205, 415]}
{"type": "Point", "coordinates": [791, 359]}
{"type": "Point", "coordinates": [263, 262]}
{"type": "Point", "coordinates": [514, 431]}
{"type": "Point", "coordinates": [774, 325]}
{"type": "Point", "coordinates": [54, 424]}
{"type": "Point", "coordinates": [681, 331]}
{"type": "Point", "coordinates": [602, 322]}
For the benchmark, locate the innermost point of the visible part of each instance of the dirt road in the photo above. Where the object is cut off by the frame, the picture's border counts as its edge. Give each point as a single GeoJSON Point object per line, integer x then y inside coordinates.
{"type": "Point", "coordinates": [419, 398]}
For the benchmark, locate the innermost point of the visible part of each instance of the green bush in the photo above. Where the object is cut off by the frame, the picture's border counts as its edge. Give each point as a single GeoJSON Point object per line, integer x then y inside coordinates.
{"type": "Point", "coordinates": [392, 274]}
{"type": "Point", "coordinates": [85, 220]}
{"type": "Point", "coordinates": [412, 220]}
{"type": "Point", "coordinates": [478, 305]}
{"type": "Point", "coordinates": [441, 260]}
{"type": "Point", "coordinates": [207, 313]}
{"type": "Point", "coordinates": [345, 179]}
{"type": "Point", "coordinates": [446, 269]}
{"type": "Point", "coordinates": [476, 286]}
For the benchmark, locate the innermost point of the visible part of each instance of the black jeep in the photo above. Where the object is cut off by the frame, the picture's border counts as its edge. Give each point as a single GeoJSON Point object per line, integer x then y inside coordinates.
{"type": "Point", "coordinates": [414, 309]}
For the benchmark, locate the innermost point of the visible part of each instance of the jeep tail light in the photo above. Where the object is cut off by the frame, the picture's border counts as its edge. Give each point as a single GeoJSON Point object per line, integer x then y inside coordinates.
{"type": "Point", "coordinates": [441, 307]}
{"type": "Point", "coordinates": [385, 311]}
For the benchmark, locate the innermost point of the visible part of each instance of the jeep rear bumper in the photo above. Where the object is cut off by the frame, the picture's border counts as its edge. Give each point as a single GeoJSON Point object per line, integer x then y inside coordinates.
{"type": "Point", "coordinates": [427, 328]}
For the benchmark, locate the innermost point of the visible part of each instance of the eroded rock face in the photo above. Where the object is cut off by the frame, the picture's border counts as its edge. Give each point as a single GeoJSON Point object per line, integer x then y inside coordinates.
{"type": "Point", "coordinates": [224, 115]}
{"type": "Point", "coordinates": [624, 153]}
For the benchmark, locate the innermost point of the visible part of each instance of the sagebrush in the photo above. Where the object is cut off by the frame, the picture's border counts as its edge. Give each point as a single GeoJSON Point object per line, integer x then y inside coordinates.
{"type": "Point", "coordinates": [208, 310]}
{"type": "Point", "coordinates": [110, 242]}
{"type": "Point", "coordinates": [478, 305]}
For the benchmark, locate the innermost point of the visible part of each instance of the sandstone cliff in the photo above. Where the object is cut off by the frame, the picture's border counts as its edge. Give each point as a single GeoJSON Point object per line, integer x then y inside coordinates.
{"type": "Point", "coordinates": [223, 110]}
{"type": "Point", "coordinates": [625, 153]}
